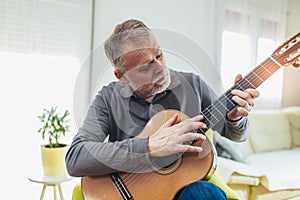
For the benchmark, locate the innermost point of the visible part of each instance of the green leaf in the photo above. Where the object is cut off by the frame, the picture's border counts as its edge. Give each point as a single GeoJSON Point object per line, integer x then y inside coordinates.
{"type": "Point", "coordinates": [53, 124]}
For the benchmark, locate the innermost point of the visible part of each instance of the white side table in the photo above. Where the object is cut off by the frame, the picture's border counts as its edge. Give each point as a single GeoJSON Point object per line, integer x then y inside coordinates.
{"type": "Point", "coordinates": [54, 181]}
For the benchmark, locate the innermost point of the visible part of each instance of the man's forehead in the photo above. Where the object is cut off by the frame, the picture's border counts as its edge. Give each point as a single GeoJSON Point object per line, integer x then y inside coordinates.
{"type": "Point", "coordinates": [139, 54]}
{"type": "Point", "coordinates": [146, 43]}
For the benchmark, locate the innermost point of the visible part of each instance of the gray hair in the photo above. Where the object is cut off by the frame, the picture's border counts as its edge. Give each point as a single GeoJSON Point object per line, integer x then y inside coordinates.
{"type": "Point", "coordinates": [128, 32]}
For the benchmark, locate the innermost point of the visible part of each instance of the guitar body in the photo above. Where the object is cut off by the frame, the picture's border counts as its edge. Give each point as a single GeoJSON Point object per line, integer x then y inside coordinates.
{"type": "Point", "coordinates": [161, 183]}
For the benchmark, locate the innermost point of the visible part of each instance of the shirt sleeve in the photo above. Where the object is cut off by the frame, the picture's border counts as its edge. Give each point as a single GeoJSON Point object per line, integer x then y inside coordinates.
{"type": "Point", "coordinates": [90, 154]}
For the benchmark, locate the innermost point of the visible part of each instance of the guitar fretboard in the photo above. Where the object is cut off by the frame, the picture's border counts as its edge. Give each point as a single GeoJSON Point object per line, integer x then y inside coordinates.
{"type": "Point", "coordinates": [222, 105]}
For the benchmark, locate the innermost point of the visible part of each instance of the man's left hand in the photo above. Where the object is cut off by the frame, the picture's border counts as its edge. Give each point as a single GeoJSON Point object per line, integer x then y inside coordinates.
{"type": "Point", "coordinates": [244, 100]}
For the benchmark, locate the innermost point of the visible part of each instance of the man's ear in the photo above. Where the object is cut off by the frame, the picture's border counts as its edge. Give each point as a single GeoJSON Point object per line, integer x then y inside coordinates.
{"type": "Point", "coordinates": [120, 75]}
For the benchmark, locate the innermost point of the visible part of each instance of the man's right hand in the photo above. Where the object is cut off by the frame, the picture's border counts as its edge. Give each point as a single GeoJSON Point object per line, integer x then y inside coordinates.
{"type": "Point", "coordinates": [170, 137]}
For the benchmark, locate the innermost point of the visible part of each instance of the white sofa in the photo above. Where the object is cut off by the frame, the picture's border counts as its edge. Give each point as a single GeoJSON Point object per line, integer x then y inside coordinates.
{"type": "Point", "coordinates": [268, 163]}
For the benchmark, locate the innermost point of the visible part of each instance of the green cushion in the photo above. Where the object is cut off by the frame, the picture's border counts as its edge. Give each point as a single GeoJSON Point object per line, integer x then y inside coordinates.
{"type": "Point", "coordinates": [77, 194]}
{"type": "Point", "coordinates": [217, 180]}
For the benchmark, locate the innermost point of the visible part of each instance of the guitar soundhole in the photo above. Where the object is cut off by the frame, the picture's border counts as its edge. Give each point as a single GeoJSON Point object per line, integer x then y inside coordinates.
{"type": "Point", "coordinates": [166, 165]}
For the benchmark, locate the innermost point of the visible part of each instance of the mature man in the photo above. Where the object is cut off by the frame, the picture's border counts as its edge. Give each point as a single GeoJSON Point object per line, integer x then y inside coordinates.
{"type": "Point", "coordinates": [146, 86]}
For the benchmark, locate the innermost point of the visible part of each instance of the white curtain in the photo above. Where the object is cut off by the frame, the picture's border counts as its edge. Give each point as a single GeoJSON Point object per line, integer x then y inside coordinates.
{"type": "Point", "coordinates": [40, 26]}
{"type": "Point", "coordinates": [252, 30]}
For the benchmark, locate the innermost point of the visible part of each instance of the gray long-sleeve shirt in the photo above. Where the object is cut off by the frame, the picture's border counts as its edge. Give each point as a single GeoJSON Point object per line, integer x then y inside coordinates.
{"type": "Point", "coordinates": [117, 113]}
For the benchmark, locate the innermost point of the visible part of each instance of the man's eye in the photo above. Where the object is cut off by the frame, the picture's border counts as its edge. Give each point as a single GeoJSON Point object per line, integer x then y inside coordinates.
{"type": "Point", "coordinates": [145, 68]}
{"type": "Point", "coordinates": [159, 56]}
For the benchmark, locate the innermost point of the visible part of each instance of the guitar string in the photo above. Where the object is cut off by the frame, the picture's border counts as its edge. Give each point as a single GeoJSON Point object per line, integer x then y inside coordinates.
{"type": "Point", "coordinates": [129, 177]}
{"type": "Point", "coordinates": [225, 99]}
{"type": "Point", "coordinates": [260, 72]}
{"type": "Point", "coordinates": [119, 186]}
{"type": "Point", "coordinates": [248, 79]}
{"type": "Point", "coordinates": [122, 188]}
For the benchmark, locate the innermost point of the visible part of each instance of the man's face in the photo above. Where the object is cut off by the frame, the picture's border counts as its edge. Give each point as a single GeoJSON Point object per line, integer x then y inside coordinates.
{"type": "Point", "coordinates": [144, 69]}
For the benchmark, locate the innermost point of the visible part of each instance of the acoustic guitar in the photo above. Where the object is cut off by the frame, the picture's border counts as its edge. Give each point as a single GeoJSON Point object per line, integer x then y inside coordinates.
{"type": "Point", "coordinates": [163, 182]}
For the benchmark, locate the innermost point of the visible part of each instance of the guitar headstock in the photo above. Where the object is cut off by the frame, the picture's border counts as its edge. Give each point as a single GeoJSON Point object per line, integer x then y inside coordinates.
{"type": "Point", "coordinates": [289, 52]}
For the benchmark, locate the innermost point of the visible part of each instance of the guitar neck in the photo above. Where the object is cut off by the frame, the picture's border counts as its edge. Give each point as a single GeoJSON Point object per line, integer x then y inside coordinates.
{"type": "Point", "coordinates": [218, 109]}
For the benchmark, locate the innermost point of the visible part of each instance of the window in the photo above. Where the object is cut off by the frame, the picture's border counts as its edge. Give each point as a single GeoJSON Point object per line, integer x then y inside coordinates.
{"type": "Point", "coordinates": [248, 37]}
{"type": "Point", "coordinates": [39, 45]}
{"type": "Point", "coordinates": [271, 90]}
{"type": "Point", "coordinates": [235, 56]}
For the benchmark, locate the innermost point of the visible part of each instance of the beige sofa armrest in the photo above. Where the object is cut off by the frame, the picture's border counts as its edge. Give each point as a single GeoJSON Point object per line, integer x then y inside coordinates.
{"type": "Point", "coordinates": [228, 168]}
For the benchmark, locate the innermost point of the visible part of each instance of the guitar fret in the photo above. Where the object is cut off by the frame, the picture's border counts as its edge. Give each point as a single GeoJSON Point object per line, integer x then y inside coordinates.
{"type": "Point", "coordinates": [255, 77]}
{"type": "Point", "coordinates": [212, 114]}
{"type": "Point", "coordinates": [229, 100]}
{"type": "Point", "coordinates": [266, 69]}
{"type": "Point", "coordinates": [240, 86]}
{"type": "Point", "coordinates": [209, 124]}
{"type": "Point", "coordinates": [217, 110]}
{"type": "Point", "coordinates": [220, 103]}
{"type": "Point", "coordinates": [250, 83]}
{"type": "Point", "coordinates": [221, 114]}
{"type": "Point", "coordinates": [258, 76]}
{"type": "Point", "coordinates": [275, 61]}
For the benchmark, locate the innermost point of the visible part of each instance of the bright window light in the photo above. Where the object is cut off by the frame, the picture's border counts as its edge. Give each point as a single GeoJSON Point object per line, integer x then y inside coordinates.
{"type": "Point", "coordinates": [271, 90]}
{"type": "Point", "coordinates": [29, 83]}
{"type": "Point", "coordinates": [236, 56]}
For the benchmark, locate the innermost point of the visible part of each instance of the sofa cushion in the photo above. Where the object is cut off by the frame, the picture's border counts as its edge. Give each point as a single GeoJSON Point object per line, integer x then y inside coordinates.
{"type": "Point", "coordinates": [279, 167]}
{"type": "Point", "coordinates": [261, 193]}
{"type": "Point", "coordinates": [227, 168]}
{"type": "Point", "coordinates": [237, 150]}
{"type": "Point", "coordinates": [293, 114]}
{"type": "Point", "coordinates": [269, 130]}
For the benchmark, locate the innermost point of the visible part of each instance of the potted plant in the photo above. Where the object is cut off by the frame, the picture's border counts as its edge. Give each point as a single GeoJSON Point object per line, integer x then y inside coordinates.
{"type": "Point", "coordinates": [54, 125]}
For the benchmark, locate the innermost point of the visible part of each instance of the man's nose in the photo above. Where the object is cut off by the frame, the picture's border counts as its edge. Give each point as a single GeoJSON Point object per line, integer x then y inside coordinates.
{"type": "Point", "coordinates": [158, 66]}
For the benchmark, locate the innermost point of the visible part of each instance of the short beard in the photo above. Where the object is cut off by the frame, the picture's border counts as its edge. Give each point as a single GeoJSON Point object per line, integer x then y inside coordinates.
{"type": "Point", "coordinates": [151, 89]}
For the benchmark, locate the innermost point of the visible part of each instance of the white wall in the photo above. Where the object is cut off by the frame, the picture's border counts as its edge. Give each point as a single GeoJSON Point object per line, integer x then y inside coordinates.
{"type": "Point", "coordinates": [82, 84]}
{"type": "Point", "coordinates": [194, 19]}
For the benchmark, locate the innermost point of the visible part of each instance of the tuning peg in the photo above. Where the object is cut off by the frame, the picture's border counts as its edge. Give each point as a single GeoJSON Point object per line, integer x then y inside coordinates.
{"type": "Point", "coordinates": [296, 63]}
